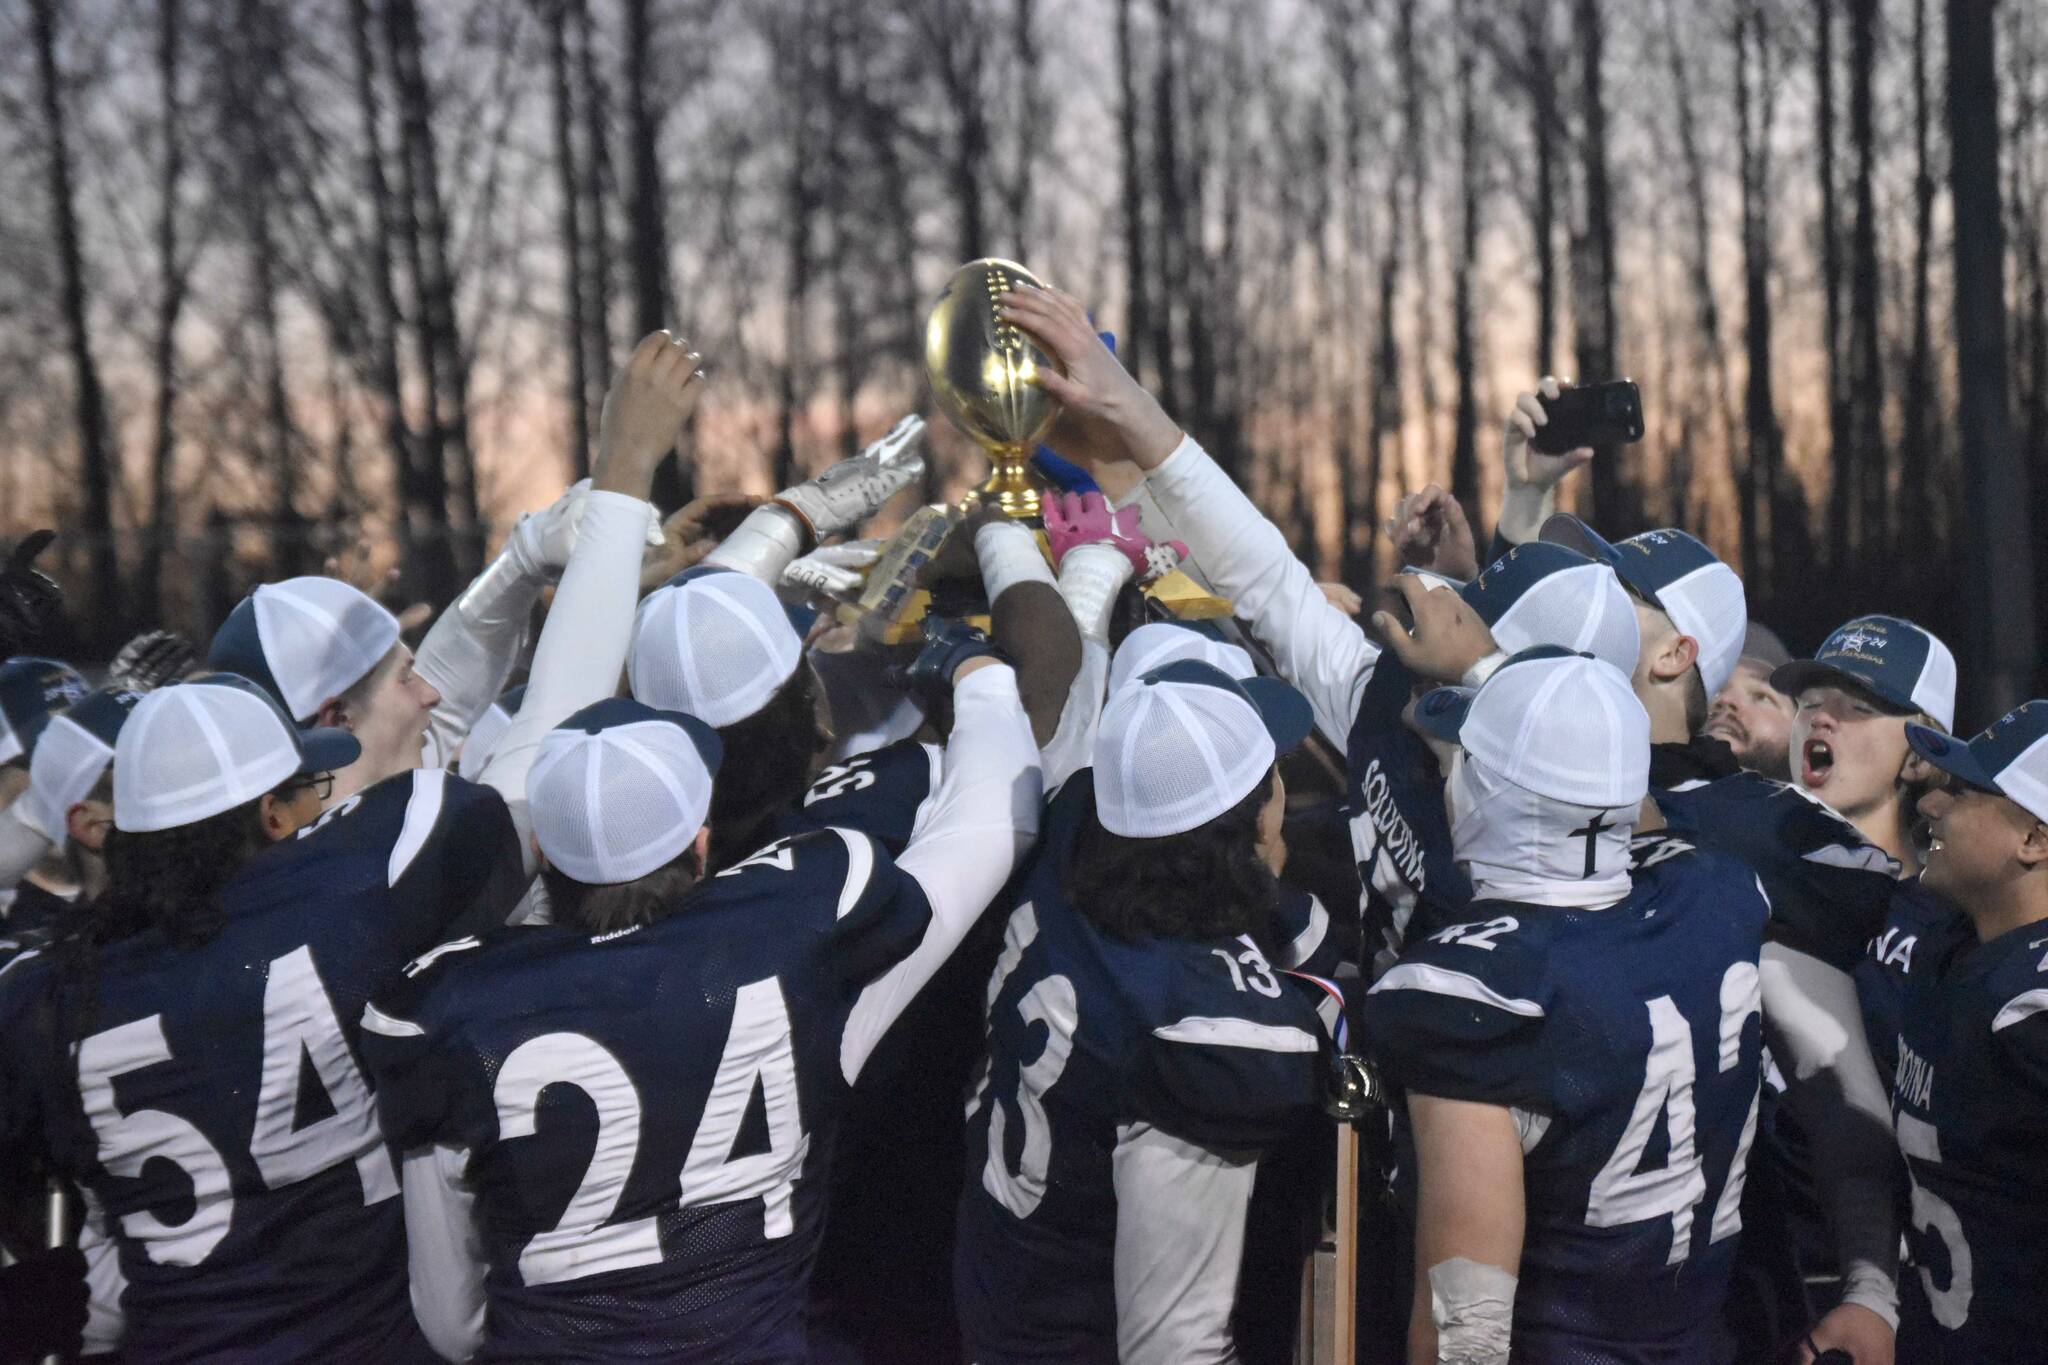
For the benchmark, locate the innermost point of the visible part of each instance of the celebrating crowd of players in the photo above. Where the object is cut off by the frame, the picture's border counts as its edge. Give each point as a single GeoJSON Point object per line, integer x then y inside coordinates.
{"type": "Point", "coordinates": [738, 990]}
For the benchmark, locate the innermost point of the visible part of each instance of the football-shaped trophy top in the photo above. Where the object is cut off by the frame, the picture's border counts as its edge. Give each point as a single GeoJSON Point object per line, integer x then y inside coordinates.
{"type": "Point", "coordinates": [983, 371]}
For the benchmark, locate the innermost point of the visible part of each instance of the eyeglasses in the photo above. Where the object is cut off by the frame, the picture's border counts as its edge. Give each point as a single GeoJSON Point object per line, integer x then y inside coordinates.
{"type": "Point", "coordinates": [320, 784]}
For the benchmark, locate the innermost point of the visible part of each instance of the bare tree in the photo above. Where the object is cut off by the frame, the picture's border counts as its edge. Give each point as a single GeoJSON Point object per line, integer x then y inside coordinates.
{"type": "Point", "coordinates": [1840, 483]}
{"type": "Point", "coordinates": [172, 278]}
{"type": "Point", "coordinates": [1593, 264]}
{"type": "Point", "coordinates": [1922, 418]}
{"type": "Point", "coordinates": [95, 439]}
{"type": "Point", "coordinates": [1465, 437]}
{"type": "Point", "coordinates": [1137, 291]}
{"type": "Point", "coordinates": [570, 183]}
{"type": "Point", "coordinates": [1997, 548]}
{"type": "Point", "coordinates": [1863, 464]}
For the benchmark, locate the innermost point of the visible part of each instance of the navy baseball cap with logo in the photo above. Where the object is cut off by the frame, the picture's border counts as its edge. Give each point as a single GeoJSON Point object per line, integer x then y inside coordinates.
{"type": "Point", "coordinates": [1900, 664]}
{"type": "Point", "coordinates": [2010, 758]}
{"type": "Point", "coordinates": [31, 691]}
{"type": "Point", "coordinates": [1676, 573]}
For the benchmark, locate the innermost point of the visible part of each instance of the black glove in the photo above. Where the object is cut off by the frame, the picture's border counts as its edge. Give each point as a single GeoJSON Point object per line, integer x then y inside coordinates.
{"type": "Point", "coordinates": [28, 599]}
{"type": "Point", "coordinates": [42, 1305]}
{"type": "Point", "coordinates": [152, 659]}
{"type": "Point", "coordinates": [947, 645]}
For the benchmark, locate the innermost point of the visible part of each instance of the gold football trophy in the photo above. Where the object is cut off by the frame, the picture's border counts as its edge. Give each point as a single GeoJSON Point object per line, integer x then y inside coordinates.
{"type": "Point", "coordinates": [984, 377]}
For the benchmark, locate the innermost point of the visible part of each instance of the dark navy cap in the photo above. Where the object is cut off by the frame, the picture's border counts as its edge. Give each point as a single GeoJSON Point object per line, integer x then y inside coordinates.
{"type": "Point", "coordinates": [1899, 663]}
{"type": "Point", "coordinates": [31, 691]}
{"type": "Point", "coordinates": [1675, 572]}
{"type": "Point", "coordinates": [2010, 758]}
{"type": "Point", "coordinates": [1544, 594]}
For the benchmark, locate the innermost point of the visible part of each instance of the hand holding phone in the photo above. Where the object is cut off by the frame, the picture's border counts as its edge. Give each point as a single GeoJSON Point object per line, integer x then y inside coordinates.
{"type": "Point", "coordinates": [1609, 413]}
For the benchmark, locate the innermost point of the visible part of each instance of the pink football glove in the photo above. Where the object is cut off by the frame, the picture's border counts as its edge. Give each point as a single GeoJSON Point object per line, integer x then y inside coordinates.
{"type": "Point", "coordinates": [1073, 519]}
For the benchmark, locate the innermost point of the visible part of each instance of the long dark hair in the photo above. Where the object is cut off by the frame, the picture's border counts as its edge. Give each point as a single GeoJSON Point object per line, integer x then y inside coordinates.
{"type": "Point", "coordinates": [1209, 882]}
{"type": "Point", "coordinates": [768, 758]}
{"type": "Point", "coordinates": [603, 909]}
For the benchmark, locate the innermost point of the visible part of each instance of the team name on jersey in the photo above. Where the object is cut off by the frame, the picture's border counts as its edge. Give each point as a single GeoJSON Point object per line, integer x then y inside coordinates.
{"type": "Point", "coordinates": [1396, 840]}
{"type": "Point", "coordinates": [1894, 949]}
{"type": "Point", "coordinates": [1914, 1081]}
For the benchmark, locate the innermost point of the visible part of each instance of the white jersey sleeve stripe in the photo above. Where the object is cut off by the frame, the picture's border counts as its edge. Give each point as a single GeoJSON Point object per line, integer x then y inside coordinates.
{"type": "Point", "coordinates": [377, 1021]}
{"type": "Point", "coordinates": [1308, 940]}
{"type": "Point", "coordinates": [2021, 1007]}
{"type": "Point", "coordinates": [860, 869]}
{"type": "Point", "coordinates": [1422, 976]}
{"type": "Point", "coordinates": [422, 813]}
{"type": "Point", "coordinates": [1225, 1032]}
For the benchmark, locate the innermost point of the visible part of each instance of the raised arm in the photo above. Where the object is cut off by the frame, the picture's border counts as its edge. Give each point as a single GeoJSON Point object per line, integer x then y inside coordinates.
{"type": "Point", "coordinates": [1318, 648]}
{"type": "Point", "coordinates": [982, 818]}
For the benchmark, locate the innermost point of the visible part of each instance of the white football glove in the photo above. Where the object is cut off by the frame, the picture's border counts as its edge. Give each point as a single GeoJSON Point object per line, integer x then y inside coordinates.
{"type": "Point", "coordinates": [853, 490]}
{"type": "Point", "coordinates": [541, 542]}
{"type": "Point", "coordinates": [833, 570]}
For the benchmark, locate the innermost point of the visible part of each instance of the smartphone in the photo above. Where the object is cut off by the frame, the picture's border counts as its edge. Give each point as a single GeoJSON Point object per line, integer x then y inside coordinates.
{"type": "Point", "coordinates": [1604, 414]}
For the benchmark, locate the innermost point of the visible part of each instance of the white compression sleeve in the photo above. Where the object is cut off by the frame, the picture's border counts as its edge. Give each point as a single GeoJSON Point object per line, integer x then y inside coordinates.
{"type": "Point", "coordinates": [1317, 647]}
{"type": "Point", "coordinates": [444, 1252]}
{"type": "Point", "coordinates": [470, 652]}
{"type": "Point", "coordinates": [1815, 1030]}
{"type": "Point", "coordinates": [979, 822]}
{"type": "Point", "coordinates": [1008, 555]}
{"type": "Point", "coordinates": [582, 649]}
{"type": "Point", "coordinates": [1180, 1215]}
{"type": "Point", "coordinates": [762, 546]}
{"type": "Point", "coordinates": [22, 845]}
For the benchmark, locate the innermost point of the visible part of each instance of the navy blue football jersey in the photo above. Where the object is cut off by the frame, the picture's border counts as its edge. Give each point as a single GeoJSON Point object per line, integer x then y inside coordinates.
{"type": "Point", "coordinates": [1627, 1041]}
{"type": "Point", "coordinates": [1113, 1139]}
{"type": "Point", "coordinates": [1970, 1106]}
{"type": "Point", "coordinates": [1919, 926]}
{"type": "Point", "coordinates": [646, 1116]}
{"type": "Point", "coordinates": [1400, 833]}
{"type": "Point", "coordinates": [1830, 888]}
{"type": "Point", "coordinates": [880, 794]}
{"type": "Point", "coordinates": [217, 1107]}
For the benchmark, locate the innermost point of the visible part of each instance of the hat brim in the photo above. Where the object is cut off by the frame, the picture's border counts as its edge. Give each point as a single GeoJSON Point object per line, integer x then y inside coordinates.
{"type": "Point", "coordinates": [1800, 674]}
{"type": "Point", "coordinates": [327, 749]}
{"type": "Point", "coordinates": [1287, 715]}
{"type": "Point", "coordinates": [1440, 712]}
{"type": "Point", "coordinates": [1951, 755]}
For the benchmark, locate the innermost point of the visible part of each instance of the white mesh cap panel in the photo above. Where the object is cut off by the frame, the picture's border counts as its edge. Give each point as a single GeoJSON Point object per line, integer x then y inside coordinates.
{"type": "Point", "coordinates": [716, 647]}
{"type": "Point", "coordinates": [1569, 729]}
{"type": "Point", "coordinates": [613, 806]}
{"type": "Point", "coordinates": [1709, 605]}
{"type": "Point", "coordinates": [1582, 608]}
{"type": "Point", "coordinates": [320, 637]}
{"type": "Point", "coordinates": [1162, 642]}
{"type": "Point", "coordinates": [2025, 779]}
{"type": "Point", "coordinates": [192, 751]}
{"type": "Point", "coordinates": [1172, 756]}
{"type": "Point", "coordinates": [68, 762]}
{"type": "Point", "coordinates": [1935, 693]}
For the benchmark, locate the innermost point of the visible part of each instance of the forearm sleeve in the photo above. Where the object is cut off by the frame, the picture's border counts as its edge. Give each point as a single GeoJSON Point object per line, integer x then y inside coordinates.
{"type": "Point", "coordinates": [978, 823]}
{"type": "Point", "coordinates": [1030, 621]}
{"type": "Point", "coordinates": [444, 1252]}
{"type": "Point", "coordinates": [469, 654]}
{"type": "Point", "coordinates": [1317, 647]}
{"type": "Point", "coordinates": [1815, 1031]}
{"type": "Point", "coordinates": [582, 648]}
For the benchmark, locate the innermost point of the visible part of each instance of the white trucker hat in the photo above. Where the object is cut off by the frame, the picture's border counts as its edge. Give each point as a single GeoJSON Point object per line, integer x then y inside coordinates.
{"type": "Point", "coordinates": [712, 644]}
{"type": "Point", "coordinates": [1543, 594]}
{"type": "Point", "coordinates": [1184, 743]}
{"type": "Point", "coordinates": [195, 749]}
{"type": "Point", "coordinates": [1565, 726]}
{"type": "Point", "coordinates": [305, 641]}
{"type": "Point", "coordinates": [1158, 643]}
{"type": "Point", "coordinates": [70, 758]}
{"type": "Point", "coordinates": [620, 788]}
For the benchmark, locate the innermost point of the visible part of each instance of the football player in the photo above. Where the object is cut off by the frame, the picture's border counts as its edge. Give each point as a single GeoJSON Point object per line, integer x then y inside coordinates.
{"type": "Point", "coordinates": [1142, 1048]}
{"type": "Point", "coordinates": [1970, 1088]}
{"type": "Point", "coordinates": [1753, 718]}
{"type": "Point", "coordinates": [1581, 1058]}
{"type": "Point", "coordinates": [676, 1046]}
{"type": "Point", "coordinates": [32, 690]}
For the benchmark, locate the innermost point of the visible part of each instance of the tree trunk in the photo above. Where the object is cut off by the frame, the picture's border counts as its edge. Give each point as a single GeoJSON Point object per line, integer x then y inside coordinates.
{"type": "Point", "coordinates": [95, 439]}
{"type": "Point", "coordinates": [652, 306]}
{"type": "Point", "coordinates": [425, 230]}
{"type": "Point", "coordinates": [1998, 580]}
{"type": "Point", "coordinates": [1543, 221]}
{"type": "Point", "coordinates": [1594, 261]}
{"type": "Point", "coordinates": [1030, 120]}
{"type": "Point", "coordinates": [795, 60]}
{"type": "Point", "coordinates": [569, 181]}
{"type": "Point", "coordinates": [598, 184]}
{"type": "Point", "coordinates": [1137, 308]}
{"type": "Point", "coordinates": [1917, 460]}
{"type": "Point", "coordinates": [170, 304]}
{"type": "Point", "coordinates": [1866, 367]}
{"type": "Point", "coordinates": [1841, 482]}
{"type": "Point", "coordinates": [1465, 438]}
{"type": "Point", "coordinates": [1166, 224]}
